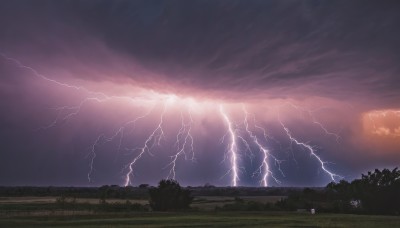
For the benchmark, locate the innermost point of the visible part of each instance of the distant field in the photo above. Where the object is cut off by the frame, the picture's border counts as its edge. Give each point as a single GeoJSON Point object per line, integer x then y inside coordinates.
{"type": "Point", "coordinates": [203, 219]}
{"type": "Point", "coordinates": [208, 203]}
{"type": "Point", "coordinates": [44, 212]}
{"type": "Point", "coordinates": [25, 200]}
{"type": "Point", "coordinates": [203, 203]}
{"type": "Point", "coordinates": [48, 206]}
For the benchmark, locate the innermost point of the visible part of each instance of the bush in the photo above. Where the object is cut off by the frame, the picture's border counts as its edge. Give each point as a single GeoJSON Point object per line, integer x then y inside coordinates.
{"type": "Point", "coordinates": [169, 196]}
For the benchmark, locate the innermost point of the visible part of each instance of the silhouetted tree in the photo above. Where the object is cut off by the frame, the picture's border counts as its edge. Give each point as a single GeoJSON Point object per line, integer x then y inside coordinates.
{"type": "Point", "coordinates": [143, 186]}
{"type": "Point", "coordinates": [169, 196]}
{"type": "Point", "coordinates": [378, 192]}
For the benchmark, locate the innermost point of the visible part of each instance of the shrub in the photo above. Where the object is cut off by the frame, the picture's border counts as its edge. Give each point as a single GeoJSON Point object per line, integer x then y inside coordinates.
{"type": "Point", "coordinates": [169, 196]}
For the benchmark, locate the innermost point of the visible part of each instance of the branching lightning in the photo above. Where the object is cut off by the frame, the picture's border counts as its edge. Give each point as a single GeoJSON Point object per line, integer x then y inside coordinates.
{"type": "Point", "coordinates": [312, 153]}
{"type": "Point", "coordinates": [314, 120]}
{"type": "Point", "coordinates": [264, 168]}
{"type": "Point", "coordinates": [236, 136]}
{"type": "Point", "coordinates": [119, 132]}
{"type": "Point", "coordinates": [92, 157]}
{"type": "Point", "coordinates": [154, 138]}
{"type": "Point", "coordinates": [184, 144]}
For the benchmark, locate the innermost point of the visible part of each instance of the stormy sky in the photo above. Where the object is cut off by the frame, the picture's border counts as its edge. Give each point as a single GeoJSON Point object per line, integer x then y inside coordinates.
{"type": "Point", "coordinates": [95, 92]}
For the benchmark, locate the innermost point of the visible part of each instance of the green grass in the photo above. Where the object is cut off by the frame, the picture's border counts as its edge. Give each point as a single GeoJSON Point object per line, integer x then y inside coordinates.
{"type": "Point", "coordinates": [203, 203]}
{"type": "Point", "coordinates": [43, 212]}
{"type": "Point", "coordinates": [203, 219]}
{"type": "Point", "coordinates": [209, 203]}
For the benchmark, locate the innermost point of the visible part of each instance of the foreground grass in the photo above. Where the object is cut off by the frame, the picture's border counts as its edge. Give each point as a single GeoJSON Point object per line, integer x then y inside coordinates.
{"type": "Point", "coordinates": [203, 219]}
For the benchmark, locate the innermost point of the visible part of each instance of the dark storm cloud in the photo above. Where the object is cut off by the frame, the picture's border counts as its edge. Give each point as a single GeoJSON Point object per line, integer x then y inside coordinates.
{"type": "Point", "coordinates": [337, 49]}
{"type": "Point", "coordinates": [345, 50]}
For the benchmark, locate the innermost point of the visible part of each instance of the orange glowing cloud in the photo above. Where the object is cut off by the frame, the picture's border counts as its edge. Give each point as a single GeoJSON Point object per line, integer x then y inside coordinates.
{"type": "Point", "coordinates": [382, 123]}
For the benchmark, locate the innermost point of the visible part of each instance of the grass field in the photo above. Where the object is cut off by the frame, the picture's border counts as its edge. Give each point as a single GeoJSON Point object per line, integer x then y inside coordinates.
{"type": "Point", "coordinates": [209, 203]}
{"type": "Point", "coordinates": [203, 203]}
{"type": "Point", "coordinates": [44, 212]}
{"type": "Point", "coordinates": [33, 200]}
{"type": "Point", "coordinates": [203, 219]}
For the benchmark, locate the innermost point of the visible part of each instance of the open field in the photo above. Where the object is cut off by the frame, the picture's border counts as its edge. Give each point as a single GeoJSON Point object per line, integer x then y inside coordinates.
{"type": "Point", "coordinates": [45, 212]}
{"type": "Point", "coordinates": [209, 203]}
{"type": "Point", "coordinates": [31, 205]}
{"type": "Point", "coordinates": [203, 219]}
{"type": "Point", "coordinates": [33, 200]}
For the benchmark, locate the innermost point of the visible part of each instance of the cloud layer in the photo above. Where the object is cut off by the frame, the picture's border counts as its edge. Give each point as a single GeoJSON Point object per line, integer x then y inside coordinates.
{"type": "Point", "coordinates": [339, 58]}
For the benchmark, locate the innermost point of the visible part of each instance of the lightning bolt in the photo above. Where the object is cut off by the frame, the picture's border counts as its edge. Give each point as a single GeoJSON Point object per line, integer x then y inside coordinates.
{"type": "Point", "coordinates": [65, 113]}
{"type": "Point", "coordinates": [37, 74]}
{"type": "Point", "coordinates": [92, 157]}
{"type": "Point", "coordinates": [264, 168]}
{"type": "Point", "coordinates": [73, 111]}
{"type": "Point", "coordinates": [187, 141]}
{"type": "Point", "coordinates": [232, 148]}
{"type": "Point", "coordinates": [312, 152]}
{"type": "Point", "coordinates": [314, 120]}
{"type": "Point", "coordinates": [153, 139]}
{"type": "Point", "coordinates": [120, 131]}
{"type": "Point", "coordinates": [249, 137]}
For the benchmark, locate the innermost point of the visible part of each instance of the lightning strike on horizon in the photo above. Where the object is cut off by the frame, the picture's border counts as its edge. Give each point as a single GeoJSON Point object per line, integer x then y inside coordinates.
{"type": "Point", "coordinates": [232, 148]}
{"type": "Point", "coordinates": [184, 138]}
{"type": "Point", "coordinates": [154, 138]}
{"type": "Point", "coordinates": [264, 168]}
{"type": "Point", "coordinates": [312, 152]}
{"type": "Point", "coordinates": [120, 131]}
{"type": "Point", "coordinates": [157, 134]}
{"type": "Point", "coordinates": [93, 156]}
{"type": "Point", "coordinates": [185, 133]}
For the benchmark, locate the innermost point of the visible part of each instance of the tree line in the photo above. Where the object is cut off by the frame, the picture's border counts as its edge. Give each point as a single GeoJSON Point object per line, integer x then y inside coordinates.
{"type": "Point", "coordinates": [376, 192]}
